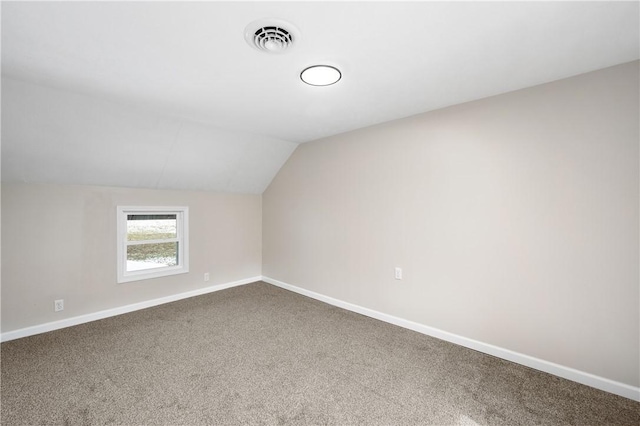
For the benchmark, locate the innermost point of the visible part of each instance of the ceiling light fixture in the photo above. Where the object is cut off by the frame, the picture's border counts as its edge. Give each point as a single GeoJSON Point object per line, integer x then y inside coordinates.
{"type": "Point", "coordinates": [321, 75]}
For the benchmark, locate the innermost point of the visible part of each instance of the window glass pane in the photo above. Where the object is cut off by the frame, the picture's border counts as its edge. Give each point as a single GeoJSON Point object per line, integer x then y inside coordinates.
{"type": "Point", "coordinates": [151, 226]}
{"type": "Point", "coordinates": [147, 256]}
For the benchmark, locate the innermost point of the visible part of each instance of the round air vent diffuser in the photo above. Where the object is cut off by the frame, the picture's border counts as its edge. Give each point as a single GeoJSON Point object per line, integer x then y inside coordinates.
{"type": "Point", "coordinates": [271, 35]}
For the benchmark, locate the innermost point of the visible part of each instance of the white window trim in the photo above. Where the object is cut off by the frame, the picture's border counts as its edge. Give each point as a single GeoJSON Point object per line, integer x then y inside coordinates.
{"type": "Point", "coordinates": [182, 214]}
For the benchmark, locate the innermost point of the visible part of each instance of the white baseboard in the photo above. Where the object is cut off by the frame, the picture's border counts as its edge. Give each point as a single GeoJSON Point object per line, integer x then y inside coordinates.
{"type": "Point", "coordinates": [81, 319]}
{"type": "Point", "coordinates": [588, 379]}
{"type": "Point", "coordinates": [582, 377]}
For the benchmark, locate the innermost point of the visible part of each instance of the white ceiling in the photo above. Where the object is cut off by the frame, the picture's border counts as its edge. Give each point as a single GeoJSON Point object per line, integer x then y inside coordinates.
{"type": "Point", "coordinates": [189, 62]}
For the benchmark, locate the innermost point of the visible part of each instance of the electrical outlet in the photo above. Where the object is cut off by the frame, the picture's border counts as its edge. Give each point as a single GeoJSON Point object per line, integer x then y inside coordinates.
{"type": "Point", "coordinates": [206, 276]}
{"type": "Point", "coordinates": [58, 305]}
{"type": "Point", "coordinates": [398, 273]}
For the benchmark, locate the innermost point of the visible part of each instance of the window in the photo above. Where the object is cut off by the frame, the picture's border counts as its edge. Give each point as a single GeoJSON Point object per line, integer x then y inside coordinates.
{"type": "Point", "coordinates": [152, 242]}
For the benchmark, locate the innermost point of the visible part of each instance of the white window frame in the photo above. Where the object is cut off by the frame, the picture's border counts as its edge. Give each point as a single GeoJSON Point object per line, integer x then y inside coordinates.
{"type": "Point", "coordinates": [182, 228]}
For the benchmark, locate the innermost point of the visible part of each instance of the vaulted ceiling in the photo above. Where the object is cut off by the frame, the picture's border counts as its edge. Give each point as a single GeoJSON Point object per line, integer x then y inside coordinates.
{"type": "Point", "coordinates": [170, 94]}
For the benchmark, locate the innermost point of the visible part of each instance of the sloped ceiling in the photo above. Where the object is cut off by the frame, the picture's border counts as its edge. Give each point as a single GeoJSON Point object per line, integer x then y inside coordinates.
{"type": "Point", "coordinates": [169, 94]}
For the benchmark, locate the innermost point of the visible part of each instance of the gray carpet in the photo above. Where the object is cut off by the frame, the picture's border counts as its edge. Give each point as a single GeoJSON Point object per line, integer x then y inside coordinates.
{"type": "Point", "coordinates": [257, 354]}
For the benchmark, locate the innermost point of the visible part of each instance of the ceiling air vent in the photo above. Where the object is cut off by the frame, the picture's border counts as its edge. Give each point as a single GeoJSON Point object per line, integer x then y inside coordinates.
{"type": "Point", "coordinates": [271, 35]}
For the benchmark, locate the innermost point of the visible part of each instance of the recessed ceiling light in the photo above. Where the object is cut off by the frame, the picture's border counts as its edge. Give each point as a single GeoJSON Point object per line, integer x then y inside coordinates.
{"type": "Point", "coordinates": [320, 75]}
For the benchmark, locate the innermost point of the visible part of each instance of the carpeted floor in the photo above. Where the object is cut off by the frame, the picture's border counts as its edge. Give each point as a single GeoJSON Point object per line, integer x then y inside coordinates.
{"type": "Point", "coordinates": [257, 354]}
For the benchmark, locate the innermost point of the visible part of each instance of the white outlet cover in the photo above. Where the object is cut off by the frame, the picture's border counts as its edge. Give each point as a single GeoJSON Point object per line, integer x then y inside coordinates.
{"type": "Point", "coordinates": [398, 273]}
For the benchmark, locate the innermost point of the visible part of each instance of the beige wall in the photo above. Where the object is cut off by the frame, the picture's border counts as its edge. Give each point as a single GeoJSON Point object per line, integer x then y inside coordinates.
{"type": "Point", "coordinates": [59, 242]}
{"type": "Point", "coordinates": [514, 218]}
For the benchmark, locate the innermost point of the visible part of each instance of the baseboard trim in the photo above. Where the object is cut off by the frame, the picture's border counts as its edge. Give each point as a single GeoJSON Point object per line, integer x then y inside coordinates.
{"type": "Point", "coordinates": [582, 377]}
{"type": "Point", "coordinates": [81, 319]}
